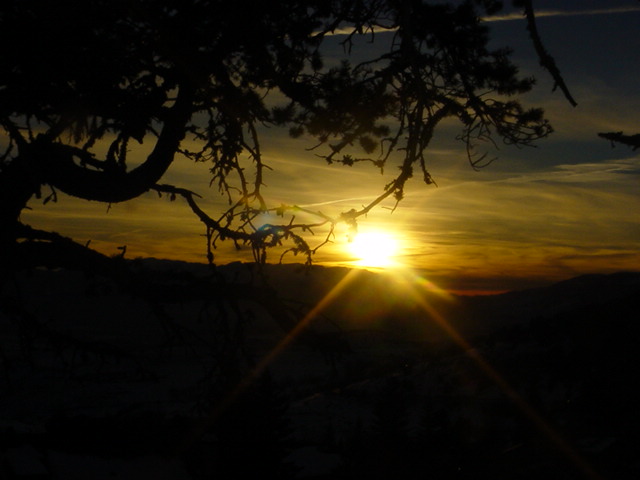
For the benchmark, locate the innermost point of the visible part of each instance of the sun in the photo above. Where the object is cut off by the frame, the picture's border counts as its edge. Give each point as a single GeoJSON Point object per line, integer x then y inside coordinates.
{"type": "Point", "coordinates": [374, 249]}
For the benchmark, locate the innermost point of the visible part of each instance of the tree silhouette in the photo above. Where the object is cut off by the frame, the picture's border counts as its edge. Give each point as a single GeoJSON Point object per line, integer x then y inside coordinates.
{"type": "Point", "coordinates": [632, 141]}
{"type": "Point", "coordinates": [82, 81]}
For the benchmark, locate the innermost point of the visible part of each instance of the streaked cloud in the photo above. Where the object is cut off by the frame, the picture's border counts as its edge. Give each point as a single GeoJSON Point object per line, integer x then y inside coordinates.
{"type": "Point", "coordinates": [562, 13]}
{"type": "Point", "coordinates": [350, 30]}
{"type": "Point", "coordinates": [507, 17]}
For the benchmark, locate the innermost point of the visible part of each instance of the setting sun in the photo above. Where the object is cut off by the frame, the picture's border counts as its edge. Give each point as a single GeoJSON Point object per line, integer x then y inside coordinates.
{"type": "Point", "coordinates": [374, 249]}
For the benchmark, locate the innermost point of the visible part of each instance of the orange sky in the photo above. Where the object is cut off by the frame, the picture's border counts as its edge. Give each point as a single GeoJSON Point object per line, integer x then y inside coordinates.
{"type": "Point", "coordinates": [567, 207]}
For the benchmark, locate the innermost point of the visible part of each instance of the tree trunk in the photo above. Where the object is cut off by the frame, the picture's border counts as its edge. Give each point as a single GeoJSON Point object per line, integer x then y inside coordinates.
{"type": "Point", "coordinates": [18, 183]}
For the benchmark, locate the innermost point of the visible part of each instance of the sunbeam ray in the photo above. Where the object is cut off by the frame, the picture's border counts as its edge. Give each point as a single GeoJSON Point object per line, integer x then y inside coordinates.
{"type": "Point", "coordinates": [269, 358]}
{"type": "Point", "coordinates": [560, 443]}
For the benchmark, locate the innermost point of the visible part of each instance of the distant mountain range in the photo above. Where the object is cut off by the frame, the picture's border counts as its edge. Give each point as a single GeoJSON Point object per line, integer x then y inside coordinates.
{"type": "Point", "coordinates": [375, 300]}
{"type": "Point", "coordinates": [370, 295]}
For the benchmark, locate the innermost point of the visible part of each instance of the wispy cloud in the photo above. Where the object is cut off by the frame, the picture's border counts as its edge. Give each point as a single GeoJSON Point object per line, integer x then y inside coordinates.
{"type": "Point", "coordinates": [348, 30]}
{"type": "Point", "coordinates": [595, 173]}
{"type": "Point", "coordinates": [562, 13]}
{"type": "Point", "coordinates": [517, 15]}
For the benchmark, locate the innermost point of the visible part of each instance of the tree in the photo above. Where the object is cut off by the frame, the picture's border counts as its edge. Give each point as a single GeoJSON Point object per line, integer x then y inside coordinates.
{"type": "Point", "coordinates": [83, 80]}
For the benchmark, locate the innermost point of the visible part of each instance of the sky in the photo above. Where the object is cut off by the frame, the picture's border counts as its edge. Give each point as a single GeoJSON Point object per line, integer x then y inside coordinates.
{"type": "Point", "coordinates": [570, 206]}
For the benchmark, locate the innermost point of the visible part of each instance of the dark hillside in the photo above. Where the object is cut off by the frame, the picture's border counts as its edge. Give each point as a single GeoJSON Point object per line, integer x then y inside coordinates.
{"type": "Point", "coordinates": [97, 379]}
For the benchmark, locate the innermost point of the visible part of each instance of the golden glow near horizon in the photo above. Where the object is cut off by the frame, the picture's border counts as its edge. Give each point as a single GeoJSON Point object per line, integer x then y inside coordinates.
{"type": "Point", "coordinates": [487, 231]}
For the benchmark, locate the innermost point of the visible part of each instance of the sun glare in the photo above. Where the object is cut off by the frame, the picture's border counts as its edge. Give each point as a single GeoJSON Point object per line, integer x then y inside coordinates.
{"type": "Point", "coordinates": [374, 249]}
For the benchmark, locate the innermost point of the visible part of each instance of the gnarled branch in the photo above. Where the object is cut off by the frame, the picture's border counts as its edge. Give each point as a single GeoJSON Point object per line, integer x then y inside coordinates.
{"type": "Point", "coordinates": [59, 169]}
{"type": "Point", "coordinates": [632, 141]}
{"type": "Point", "coordinates": [546, 60]}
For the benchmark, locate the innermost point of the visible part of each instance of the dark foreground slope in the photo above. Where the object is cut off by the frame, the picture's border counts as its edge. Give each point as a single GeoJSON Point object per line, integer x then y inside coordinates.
{"type": "Point", "coordinates": [97, 382]}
